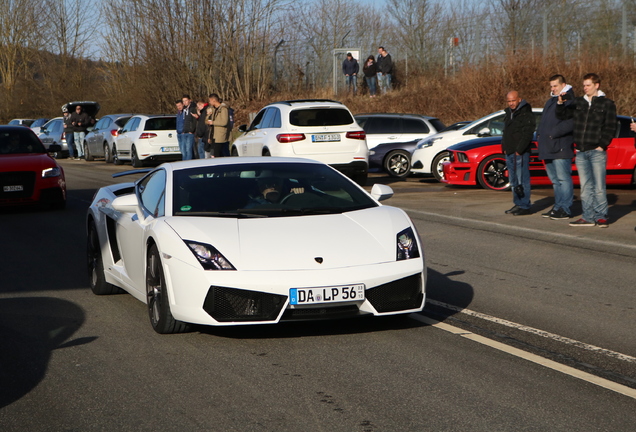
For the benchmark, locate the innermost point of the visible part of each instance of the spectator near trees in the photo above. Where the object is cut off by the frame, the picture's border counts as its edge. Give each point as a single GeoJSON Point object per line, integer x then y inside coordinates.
{"type": "Point", "coordinates": [350, 69]}
{"type": "Point", "coordinates": [385, 69]}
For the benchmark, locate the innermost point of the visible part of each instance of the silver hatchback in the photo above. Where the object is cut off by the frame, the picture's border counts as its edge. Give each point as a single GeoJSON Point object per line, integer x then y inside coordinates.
{"type": "Point", "coordinates": [99, 141]}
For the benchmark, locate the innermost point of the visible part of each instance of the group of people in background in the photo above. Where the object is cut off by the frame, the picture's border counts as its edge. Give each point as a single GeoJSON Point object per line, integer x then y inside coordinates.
{"type": "Point", "coordinates": [586, 122]}
{"type": "Point", "coordinates": [203, 127]}
{"type": "Point", "coordinates": [377, 72]}
{"type": "Point", "coordinates": [76, 125]}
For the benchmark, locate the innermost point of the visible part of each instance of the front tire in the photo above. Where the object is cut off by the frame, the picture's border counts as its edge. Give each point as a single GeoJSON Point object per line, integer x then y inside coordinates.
{"type": "Point", "coordinates": [116, 159]}
{"type": "Point", "coordinates": [161, 318]}
{"type": "Point", "coordinates": [437, 169]}
{"type": "Point", "coordinates": [492, 173]}
{"type": "Point", "coordinates": [95, 265]}
{"type": "Point", "coordinates": [398, 164]}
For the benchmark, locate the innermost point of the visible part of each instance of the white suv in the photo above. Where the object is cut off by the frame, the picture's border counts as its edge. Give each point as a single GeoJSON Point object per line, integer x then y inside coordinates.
{"type": "Point", "coordinates": [318, 129]}
{"type": "Point", "coordinates": [430, 153]}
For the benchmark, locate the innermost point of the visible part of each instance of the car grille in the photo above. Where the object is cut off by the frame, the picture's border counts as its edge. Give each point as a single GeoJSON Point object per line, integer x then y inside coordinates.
{"type": "Point", "coordinates": [231, 304]}
{"type": "Point", "coordinates": [26, 179]}
{"type": "Point", "coordinates": [398, 295]}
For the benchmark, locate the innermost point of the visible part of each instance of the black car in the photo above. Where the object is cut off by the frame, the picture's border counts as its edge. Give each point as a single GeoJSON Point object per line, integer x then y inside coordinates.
{"type": "Point", "coordinates": [394, 158]}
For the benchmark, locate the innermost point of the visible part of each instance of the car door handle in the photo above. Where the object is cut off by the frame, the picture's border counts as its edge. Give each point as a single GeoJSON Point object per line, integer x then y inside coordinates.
{"type": "Point", "coordinates": [392, 137]}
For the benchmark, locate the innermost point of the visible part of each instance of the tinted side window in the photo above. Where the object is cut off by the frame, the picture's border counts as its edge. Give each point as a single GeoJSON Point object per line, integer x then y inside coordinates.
{"type": "Point", "coordinates": [256, 124]}
{"type": "Point", "coordinates": [129, 125]}
{"type": "Point", "coordinates": [495, 125]}
{"type": "Point", "coordinates": [438, 125]}
{"type": "Point", "coordinates": [57, 126]}
{"type": "Point", "coordinates": [320, 117]}
{"type": "Point", "coordinates": [152, 191]}
{"type": "Point", "coordinates": [382, 125]}
{"type": "Point", "coordinates": [268, 118]}
{"type": "Point", "coordinates": [121, 121]}
{"type": "Point", "coordinates": [414, 126]}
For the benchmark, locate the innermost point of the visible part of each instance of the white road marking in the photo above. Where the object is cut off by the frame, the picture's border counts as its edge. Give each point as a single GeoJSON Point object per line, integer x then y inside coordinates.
{"type": "Point", "coordinates": [535, 331]}
{"type": "Point", "coordinates": [593, 379]}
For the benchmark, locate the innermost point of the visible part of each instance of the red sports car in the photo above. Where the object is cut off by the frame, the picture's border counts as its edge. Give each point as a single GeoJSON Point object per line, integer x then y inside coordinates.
{"type": "Point", "coordinates": [28, 175]}
{"type": "Point", "coordinates": [481, 161]}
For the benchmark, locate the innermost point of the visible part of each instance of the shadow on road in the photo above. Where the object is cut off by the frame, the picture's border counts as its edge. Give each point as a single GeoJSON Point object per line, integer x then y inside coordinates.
{"type": "Point", "coordinates": [30, 329]}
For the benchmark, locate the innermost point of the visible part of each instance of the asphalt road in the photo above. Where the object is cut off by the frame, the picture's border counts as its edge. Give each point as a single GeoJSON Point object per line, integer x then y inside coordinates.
{"type": "Point", "coordinates": [529, 327]}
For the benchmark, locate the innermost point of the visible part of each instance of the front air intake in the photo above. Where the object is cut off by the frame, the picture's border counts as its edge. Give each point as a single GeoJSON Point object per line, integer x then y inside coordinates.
{"type": "Point", "coordinates": [402, 294]}
{"type": "Point", "coordinates": [231, 304]}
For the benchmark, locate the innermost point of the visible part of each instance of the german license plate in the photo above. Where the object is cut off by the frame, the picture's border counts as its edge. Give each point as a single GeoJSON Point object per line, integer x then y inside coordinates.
{"type": "Point", "coordinates": [169, 149]}
{"type": "Point", "coordinates": [325, 138]}
{"type": "Point", "coordinates": [14, 188]}
{"type": "Point", "coordinates": [333, 294]}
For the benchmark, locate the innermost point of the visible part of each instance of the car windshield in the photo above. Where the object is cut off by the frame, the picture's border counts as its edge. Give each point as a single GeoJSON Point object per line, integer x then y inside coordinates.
{"type": "Point", "coordinates": [19, 141]}
{"type": "Point", "coordinates": [265, 190]}
{"type": "Point", "coordinates": [320, 117]}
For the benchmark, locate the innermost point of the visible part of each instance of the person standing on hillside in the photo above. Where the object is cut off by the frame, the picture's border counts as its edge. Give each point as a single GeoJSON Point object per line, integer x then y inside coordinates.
{"type": "Point", "coordinates": [519, 127]}
{"type": "Point", "coordinates": [556, 148]}
{"type": "Point", "coordinates": [370, 71]}
{"type": "Point", "coordinates": [350, 69]}
{"type": "Point", "coordinates": [594, 118]}
{"type": "Point", "coordinates": [385, 69]}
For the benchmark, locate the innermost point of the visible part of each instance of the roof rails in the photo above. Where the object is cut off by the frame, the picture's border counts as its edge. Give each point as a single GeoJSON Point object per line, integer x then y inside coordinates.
{"type": "Point", "coordinates": [289, 102]}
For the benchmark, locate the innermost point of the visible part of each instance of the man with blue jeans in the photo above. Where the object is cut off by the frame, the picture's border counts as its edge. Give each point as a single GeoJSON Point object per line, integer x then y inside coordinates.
{"type": "Point", "coordinates": [80, 121]}
{"type": "Point", "coordinates": [384, 64]}
{"type": "Point", "coordinates": [180, 140]}
{"type": "Point", "coordinates": [190, 119]}
{"type": "Point", "coordinates": [519, 125]}
{"type": "Point", "coordinates": [350, 69]}
{"type": "Point", "coordinates": [556, 149]}
{"type": "Point", "coordinates": [594, 118]}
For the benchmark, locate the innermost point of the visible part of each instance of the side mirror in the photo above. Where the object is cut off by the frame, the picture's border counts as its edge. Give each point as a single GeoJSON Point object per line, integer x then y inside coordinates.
{"type": "Point", "coordinates": [484, 132]}
{"type": "Point", "coordinates": [127, 204]}
{"type": "Point", "coordinates": [242, 128]}
{"type": "Point", "coordinates": [381, 192]}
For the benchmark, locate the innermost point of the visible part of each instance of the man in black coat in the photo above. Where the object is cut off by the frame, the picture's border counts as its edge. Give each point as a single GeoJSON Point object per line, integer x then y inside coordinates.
{"type": "Point", "coordinates": [190, 118]}
{"type": "Point", "coordinates": [556, 149]}
{"type": "Point", "coordinates": [519, 125]}
{"type": "Point", "coordinates": [350, 69]}
{"type": "Point", "coordinates": [594, 118]}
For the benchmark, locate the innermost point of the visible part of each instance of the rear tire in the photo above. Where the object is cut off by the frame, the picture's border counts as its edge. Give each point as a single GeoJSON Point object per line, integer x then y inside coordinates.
{"type": "Point", "coordinates": [266, 152]}
{"type": "Point", "coordinates": [234, 151]}
{"type": "Point", "coordinates": [87, 154]}
{"type": "Point", "coordinates": [108, 156]}
{"type": "Point", "coordinates": [492, 173]}
{"type": "Point", "coordinates": [116, 159]}
{"type": "Point", "coordinates": [161, 318]}
{"type": "Point", "coordinates": [95, 265]}
{"type": "Point", "coordinates": [398, 164]}
{"type": "Point", "coordinates": [436, 167]}
{"type": "Point", "coordinates": [136, 162]}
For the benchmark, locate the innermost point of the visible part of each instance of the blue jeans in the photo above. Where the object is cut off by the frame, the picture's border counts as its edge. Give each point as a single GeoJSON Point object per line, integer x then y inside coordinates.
{"type": "Point", "coordinates": [70, 142]}
{"type": "Point", "coordinates": [201, 148]}
{"type": "Point", "coordinates": [79, 139]}
{"type": "Point", "coordinates": [384, 81]}
{"type": "Point", "coordinates": [351, 80]}
{"type": "Point", "coordinates": [591, 166]}
{"type": "Point", "coordinates": [519, 174]}
{"type": "Point", "coordinates": [371, 83]}
{"type": "Point", "coordinates": [560, 174]}
{"type": "Point", "coordinates": [188, 146]}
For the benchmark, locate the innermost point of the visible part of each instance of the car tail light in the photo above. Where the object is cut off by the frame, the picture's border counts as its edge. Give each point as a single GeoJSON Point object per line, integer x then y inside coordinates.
{"type": "Point", "coordinates": [288, 138]}
{"type": "Point", "coordinates": [114, 133]}
{"type": "Point", "coordinates": [146, 135]}
{"type": "Point", "coordinates": [356, 135]}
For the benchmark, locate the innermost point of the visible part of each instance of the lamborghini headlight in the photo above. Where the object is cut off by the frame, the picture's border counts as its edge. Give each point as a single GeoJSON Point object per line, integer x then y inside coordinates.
{"type": "Point", "coordinates": [209, 257]}
{"type": "Point", "coordinates": [407, 245]}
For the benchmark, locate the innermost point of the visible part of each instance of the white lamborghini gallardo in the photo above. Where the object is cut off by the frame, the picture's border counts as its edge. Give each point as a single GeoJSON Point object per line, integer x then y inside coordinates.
{"type": "Point", "coordinates": [232, 241]}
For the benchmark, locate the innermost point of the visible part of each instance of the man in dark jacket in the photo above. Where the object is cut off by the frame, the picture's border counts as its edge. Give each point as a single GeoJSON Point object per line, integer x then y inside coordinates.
{"type": "Point", "coordinates": [350, 69]}
{"type": "Point", "coordinates": [69, 133]}
{"type": "Point", "coordinates": [190, 118]}
{"type": "Point", "coordinates": [80, 121]}
{"type": "Point", "coordinates": [594, 118]}
{"type": "Point", "coordinates": [384, 63]}
{"type": "Point", "coordinates": [519, 125]}
{"type": "Point", "coordinates": [556, 149]}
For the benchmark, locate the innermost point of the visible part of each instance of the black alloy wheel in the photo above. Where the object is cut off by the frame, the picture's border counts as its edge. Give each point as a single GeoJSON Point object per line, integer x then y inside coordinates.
{"type": "Point", "coordinates": [87, 154]}
{"type": "Point", "coordinates": [493, 173]}
{"type": "Point", "coordinates": [398, 163]}
{"type": "Point", "coordinates": [136, 162]}
{"type": "Point", "coordinates": [95, 265]}
{"type": "Point", "coordinates": [108, 157]}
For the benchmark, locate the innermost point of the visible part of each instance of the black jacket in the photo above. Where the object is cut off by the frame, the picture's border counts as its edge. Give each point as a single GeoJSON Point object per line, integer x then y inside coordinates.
{"type": "Point", "coordinates": [370, 70]}
{"type": "Point", "coordinates": [554, 135]}
{"type": "Point", "coordinates": [189, 122]}
{"type": "Point", "coordinates": [384, 64]}
{"type": "Point", "coordinates": [350, 67]}
{"type": "Point", "coordinates": [519, 127]}
{"type": "Point", "coordinates": [594, 124]}
{"type": "Point", "coordinates": [202, 127]}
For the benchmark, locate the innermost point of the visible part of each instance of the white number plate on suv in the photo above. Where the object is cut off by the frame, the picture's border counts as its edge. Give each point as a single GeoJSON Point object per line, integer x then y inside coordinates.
{"type": "Point", "coordinates": [334, 294]}
{"type": "Point", "coordinates": [16, 188]}
{"type": "Point", "coordinates": [169, 149]}
{"type": "Point", "coordinates": [325, 138]}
